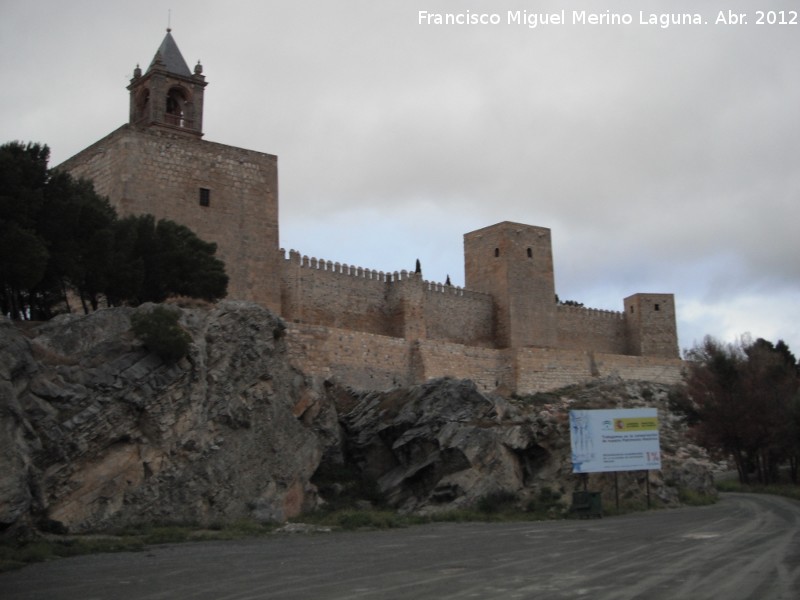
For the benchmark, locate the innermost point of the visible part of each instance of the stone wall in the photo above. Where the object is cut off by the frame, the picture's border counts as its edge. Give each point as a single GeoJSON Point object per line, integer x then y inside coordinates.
{"type": "Point", "coordinates": [366, 361]}
{"type": "Point", "coordinates": [458, 315]}
{"type": "Point", "coordinates": [319, 292]}
{"type": "Point", "coordinates": [489, 368]}
{"type": "Point", "coordinates": [357, 359]}
{"type": "Point", "coordinates": [591, 329]}
{"type": "Point", "coordinates": [544, 369]}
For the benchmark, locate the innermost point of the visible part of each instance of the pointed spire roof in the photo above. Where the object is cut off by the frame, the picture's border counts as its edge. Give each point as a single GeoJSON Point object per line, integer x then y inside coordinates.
{"type": "Point", "coordinates": [169, 55]}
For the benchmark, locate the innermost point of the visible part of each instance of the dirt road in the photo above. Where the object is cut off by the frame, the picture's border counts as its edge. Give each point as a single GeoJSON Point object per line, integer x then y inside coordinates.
{"type": "Point", "coordinates": [746, 546]}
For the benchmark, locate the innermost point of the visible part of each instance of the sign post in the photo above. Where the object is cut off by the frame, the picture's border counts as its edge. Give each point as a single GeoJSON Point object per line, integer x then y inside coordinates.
{"type": "Point", "coordinates": [615, 440]}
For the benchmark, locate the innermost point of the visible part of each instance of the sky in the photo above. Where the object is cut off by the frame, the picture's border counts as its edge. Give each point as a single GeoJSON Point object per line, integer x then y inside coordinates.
{"type": "Point", "coordinates": [665, 158]}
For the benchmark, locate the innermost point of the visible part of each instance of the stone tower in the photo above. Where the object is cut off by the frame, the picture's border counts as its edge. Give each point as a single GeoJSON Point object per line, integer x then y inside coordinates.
{"type": "Point", "coordinates": [651, 325]}
{"type": "Point", "coordinates": [168, 94]}
{"type": "Point", "coordinates": [514, 263]}
{"type": "Point", "coordinates": [159, 164]}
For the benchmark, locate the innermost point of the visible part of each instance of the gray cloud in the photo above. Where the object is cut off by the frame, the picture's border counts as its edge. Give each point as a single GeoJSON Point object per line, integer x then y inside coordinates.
{"type": "Point", "coordinates": [663, 159]}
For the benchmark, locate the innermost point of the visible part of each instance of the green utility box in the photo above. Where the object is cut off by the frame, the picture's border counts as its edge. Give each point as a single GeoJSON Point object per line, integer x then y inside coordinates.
{"type": "Point", "coordinates": [587, 505]}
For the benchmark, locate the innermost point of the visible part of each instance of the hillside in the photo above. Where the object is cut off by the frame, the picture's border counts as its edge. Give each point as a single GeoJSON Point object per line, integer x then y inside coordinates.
{"type": "Point", "coordinates": [98, 432]}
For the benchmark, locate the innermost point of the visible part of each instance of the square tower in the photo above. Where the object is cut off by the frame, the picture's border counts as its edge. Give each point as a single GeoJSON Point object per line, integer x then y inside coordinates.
{"type": "Point", "coordinates": [514, 264]}
{"type": "Point", "coordinates": [651, 325]}
{"type": "Point", "coordinates": [159, 164]}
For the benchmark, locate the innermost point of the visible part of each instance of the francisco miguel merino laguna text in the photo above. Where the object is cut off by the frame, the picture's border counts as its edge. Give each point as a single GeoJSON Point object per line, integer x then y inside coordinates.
{"type": "Point", "coordinates": [562, 17]}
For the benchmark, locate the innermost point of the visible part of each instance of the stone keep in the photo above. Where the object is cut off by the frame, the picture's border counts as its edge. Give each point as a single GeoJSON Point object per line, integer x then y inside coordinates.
{"type": "Point", "coordinates": [158, 163]}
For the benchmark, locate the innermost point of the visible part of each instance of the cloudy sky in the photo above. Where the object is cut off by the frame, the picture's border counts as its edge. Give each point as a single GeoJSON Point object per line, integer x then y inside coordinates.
{"type": "Point", "coordinates": [664, 159]}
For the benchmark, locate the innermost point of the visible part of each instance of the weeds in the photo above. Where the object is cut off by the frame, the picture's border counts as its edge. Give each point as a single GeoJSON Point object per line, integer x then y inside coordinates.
{"type": "Point", "coordinates": [14, 555]}
{"type": "Point", "coordinates": [695, 498]}
{"type": "Point", "coordinates": [785, 490]}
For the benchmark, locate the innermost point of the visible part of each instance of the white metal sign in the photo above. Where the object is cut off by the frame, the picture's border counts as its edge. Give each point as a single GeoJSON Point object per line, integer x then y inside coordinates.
{"type": "Point", "coordinates": [614, 440]}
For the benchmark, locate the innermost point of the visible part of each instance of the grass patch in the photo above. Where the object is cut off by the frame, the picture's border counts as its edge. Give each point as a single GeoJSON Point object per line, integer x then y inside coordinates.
{"type": "Point", "coordinates": [351, 519]}
{"type": "Point", "coordinates": [498, 507]}
{"type": "Point", "coordinates": [17, 555]}
{"type": "Point", "coordinates": [14, 555]}
{"type": "Point", "coordinates": [786, 490]}
{"type": "Point", "coordinates": [695, 498]}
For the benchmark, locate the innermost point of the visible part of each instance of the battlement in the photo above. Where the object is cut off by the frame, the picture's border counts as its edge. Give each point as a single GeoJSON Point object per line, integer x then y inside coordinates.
{"type": "Point", "coordinates": [296, 259]}
{"type": "Point", "coordinates": [454, 290]}
{"type": "Point", "coordinates": [591, 313]}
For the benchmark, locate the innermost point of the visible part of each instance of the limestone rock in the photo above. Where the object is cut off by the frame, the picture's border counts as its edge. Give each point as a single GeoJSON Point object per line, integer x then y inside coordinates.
{"type": "Point", "coordinates": [446, 445]}
{"type": "Point", "coordinates": [98, 432]}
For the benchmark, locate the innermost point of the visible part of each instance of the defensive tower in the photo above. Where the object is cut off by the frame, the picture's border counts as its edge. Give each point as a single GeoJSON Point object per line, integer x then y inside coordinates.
{"type": "Point", "coordinates": [514, 263]}
{"type": "Point", "coordinates": [159, 164]}
{"type": "Point", "coordinates": [651, 324]}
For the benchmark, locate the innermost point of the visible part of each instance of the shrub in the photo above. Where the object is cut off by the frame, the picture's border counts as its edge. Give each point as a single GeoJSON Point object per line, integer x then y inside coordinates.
{"type": "Point", "coordinates": [501, 501]}
{"type": "Point", "coordinates": [343, 486]}
{"type": "Point", "coordinates": [160, 332]}
{"type": "Point", "coordinates": [694, 498]}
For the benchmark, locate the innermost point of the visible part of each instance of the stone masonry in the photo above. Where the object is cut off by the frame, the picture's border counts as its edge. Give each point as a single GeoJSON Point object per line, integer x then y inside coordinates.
{"type": "Point", "coordinates": [364, 328]}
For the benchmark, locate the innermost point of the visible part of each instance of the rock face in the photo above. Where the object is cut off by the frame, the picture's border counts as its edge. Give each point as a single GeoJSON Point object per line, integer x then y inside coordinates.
{"type": "Point", "coordinates": [444, 444]}
{"type": "Point", "coordinates": [98, 432]}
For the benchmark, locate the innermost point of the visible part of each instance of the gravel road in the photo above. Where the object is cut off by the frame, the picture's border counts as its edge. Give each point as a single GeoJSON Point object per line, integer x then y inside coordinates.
{"type": "Point", "coordinates": [746, 546]}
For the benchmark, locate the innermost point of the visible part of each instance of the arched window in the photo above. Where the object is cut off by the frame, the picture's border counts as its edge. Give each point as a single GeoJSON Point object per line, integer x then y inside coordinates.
{"type": "Point", "coordinates": [142, 104]}
{"type": "Point", "coordinates": [496, 252]}
{"type": "Point", "coordinates": [178, 108]}
{"type": "Point", "coordinates": [530, 253]}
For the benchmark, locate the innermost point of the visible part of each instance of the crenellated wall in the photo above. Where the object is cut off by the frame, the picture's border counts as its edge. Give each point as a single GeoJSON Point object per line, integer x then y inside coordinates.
{"type": "Point", "coordinates": [400, 304]}
{"type": "Point", "coordinates": [321, 292]}
{"type": "Point", "coordinates": [458, 315]}
{"type": "Point", "coordinates": [580, 328]}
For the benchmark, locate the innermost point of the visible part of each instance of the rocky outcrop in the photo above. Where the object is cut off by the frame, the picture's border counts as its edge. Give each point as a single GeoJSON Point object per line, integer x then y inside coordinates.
{"type": "Point", "coordinates": [98, 432]}
{"type": "Point", "coordinates": [444, 444]}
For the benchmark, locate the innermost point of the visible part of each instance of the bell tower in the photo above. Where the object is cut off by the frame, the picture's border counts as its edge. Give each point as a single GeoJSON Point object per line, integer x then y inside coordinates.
{"type": "Point", "coordinates": [168, 95]}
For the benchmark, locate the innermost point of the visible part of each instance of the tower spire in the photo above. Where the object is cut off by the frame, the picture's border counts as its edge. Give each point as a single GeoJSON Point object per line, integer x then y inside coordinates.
{"type": "Point", "coordinates": [168, 94]}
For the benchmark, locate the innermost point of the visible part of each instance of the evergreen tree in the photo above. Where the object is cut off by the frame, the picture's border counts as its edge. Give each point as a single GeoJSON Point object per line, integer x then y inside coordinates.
{"type": "Point", "coordinates": [23, 252]}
